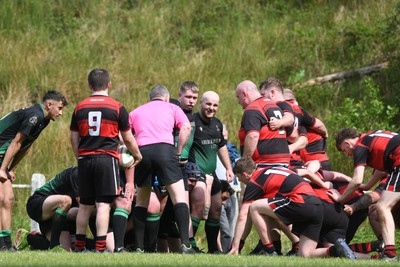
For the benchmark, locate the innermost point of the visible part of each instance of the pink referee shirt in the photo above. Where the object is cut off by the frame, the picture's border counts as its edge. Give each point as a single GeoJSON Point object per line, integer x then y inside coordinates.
{"type": "Point", "coordinates": [155, 121]}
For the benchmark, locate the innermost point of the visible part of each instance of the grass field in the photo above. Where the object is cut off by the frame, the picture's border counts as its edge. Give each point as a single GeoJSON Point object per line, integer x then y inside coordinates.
{"type": "Point", "coordinates": [29, 258]}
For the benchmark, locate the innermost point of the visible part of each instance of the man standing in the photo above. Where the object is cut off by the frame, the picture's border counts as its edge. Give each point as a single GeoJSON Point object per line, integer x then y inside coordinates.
{"type": "Point", "coordinates": [207, 144]}
{"type": "Point", "coordinates": [379, 150]}
{"type": "Point", "coordinates": [18, 130]}
{"type": "Point", "coordinates": [95, 125]}
{"type": "Point", "coordinates": [257, 140]}
{"type": "Point", "coordinates": [153, 124]}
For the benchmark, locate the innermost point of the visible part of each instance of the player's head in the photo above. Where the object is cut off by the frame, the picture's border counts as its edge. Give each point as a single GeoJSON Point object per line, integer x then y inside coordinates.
{"type": "Point", "coordinates": [226, 191]}
{"type": "Point", "coordinates": [159, 92]}
{"type": "Point", "coordinates": [244, 168]}
{"type": "Point", "coordinates": [53, 103]}
{"type": "Point", "coordinates": [288, 94]}
{"type": "Point", "coordinates": [346, 139]}
{"type": "Point", "coordinates": [271, 88]}
{"type": "Point", "coordinates": [99, 80]}
{"type": "Point", "coordinates": [188, 95]}
{"type": "Point", "coordinates": [246, 92]}
{"type": "Point", "coordinates": [193, 173]}
{"type": "Point", "coordinates": [209, 104]}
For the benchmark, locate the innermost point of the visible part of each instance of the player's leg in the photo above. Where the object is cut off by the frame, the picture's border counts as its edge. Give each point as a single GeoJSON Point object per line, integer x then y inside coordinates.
{"type": "Point", "coordinates": [212, 224]}
{"type": "Point", "coordinates": [56, 207]}
{"type": "Point", "coordinates": [152, 223]}
{"type": "Point", "coordinates": [6, 212]}
{"type": "Point", "coordinates": [384, 206]}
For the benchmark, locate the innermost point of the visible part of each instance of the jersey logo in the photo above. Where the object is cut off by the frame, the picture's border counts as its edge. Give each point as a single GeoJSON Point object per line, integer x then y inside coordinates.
{"type": "Point", "coordinates": [201, 128]}
{"type": "Point", "coordinates": [33, 120]}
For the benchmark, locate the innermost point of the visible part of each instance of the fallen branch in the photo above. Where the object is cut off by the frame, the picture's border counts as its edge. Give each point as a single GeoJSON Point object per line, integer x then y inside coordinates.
{"type": "Point", "coordinates": [342, 75]}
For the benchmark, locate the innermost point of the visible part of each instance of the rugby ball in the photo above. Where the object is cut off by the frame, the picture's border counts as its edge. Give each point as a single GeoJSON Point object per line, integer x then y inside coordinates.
{"type": "Point", "coordinates": [125, 157]}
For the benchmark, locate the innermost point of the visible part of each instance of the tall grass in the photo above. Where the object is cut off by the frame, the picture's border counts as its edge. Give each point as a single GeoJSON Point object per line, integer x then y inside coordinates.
{"type": "Point", "coordinates": [54, 44]}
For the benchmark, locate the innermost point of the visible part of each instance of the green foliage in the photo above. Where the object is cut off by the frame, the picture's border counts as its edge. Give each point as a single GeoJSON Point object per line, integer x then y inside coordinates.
{"type": "Point", "coordinates": [366, 113]}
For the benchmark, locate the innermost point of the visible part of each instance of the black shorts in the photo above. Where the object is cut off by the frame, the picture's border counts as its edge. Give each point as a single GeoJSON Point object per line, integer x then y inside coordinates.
{"type": "Point", "coordinates": [216, 185]}
{"type": "Point", "coordinates": [306, 218]}
{"type": "Point", "coordinates": [158, 160]}
{"type": "Point", "coordinates": [335, 222]}
{"type": "Point", "coordinates": [34, 208]}
{"type": "Point", "coordinates": [98, 179]}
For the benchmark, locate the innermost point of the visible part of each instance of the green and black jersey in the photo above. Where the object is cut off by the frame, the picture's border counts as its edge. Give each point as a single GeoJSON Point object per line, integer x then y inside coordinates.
{"type": "Point", "coordinates": [64, 183]}
{"type": "Point", "coordinates": [30, 121]}
{"type": "Point", "coordinates": [208, 139]}
{"type": "Point", "coordinates": [186, 149]}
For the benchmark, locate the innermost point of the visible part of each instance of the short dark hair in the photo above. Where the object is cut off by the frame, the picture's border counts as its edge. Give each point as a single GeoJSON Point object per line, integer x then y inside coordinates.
{"type": "Point", "coordinates": [99, 79]}
{"type": "Point", "coordinates": [189, 85]}
{"type": "Point", "coordinates": [272, 82]}
{"type": "Point", "coordinates": [345, 133]}
{"type": "Point", "coordinates": [226, 187]}
{"type": "Point", "coordinates": [56, 96]}
{"type": "Point", "coordinates": [245, 164]}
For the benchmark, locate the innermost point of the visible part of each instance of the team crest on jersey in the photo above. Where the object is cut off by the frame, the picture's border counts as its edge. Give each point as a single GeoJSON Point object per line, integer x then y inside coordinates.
{"type": "Point", "coordinates": [201, 128]}
{"type": "Point", "coordinates": [33, 120]}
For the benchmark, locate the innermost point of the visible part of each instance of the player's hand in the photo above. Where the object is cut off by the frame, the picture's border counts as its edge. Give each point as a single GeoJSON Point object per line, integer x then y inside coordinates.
{"type": "Point", "coordinates": [12, 176]}
{"type": "Point", "coordinates": [348, 209]}
{"type": "Point", "coordinates": [334, 194]}
{"type": "Point", "coordinates": [328, 185]}
{"type": "Point", "coordinates": [275, 123]}
{"type": "Point", "coordinates": [129, 191]}
{"type": "Point", "coordinates": [3, 176]}
{"type": "Point", "coordinates": [229, 176]}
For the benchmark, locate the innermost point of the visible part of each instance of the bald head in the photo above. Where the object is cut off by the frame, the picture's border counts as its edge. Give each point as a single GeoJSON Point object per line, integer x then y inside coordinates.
{"type": "Point", "coordinates": [209, 104]}
{"type": "Point", "coordinates": [247, 92]}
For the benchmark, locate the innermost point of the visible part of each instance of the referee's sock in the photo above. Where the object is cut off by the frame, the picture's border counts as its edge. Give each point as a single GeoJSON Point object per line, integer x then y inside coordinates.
{"type": "Point", "coordinates": [151, 232]}
{"type": "Point", "coordinates": [212, 227]}
{"type": "Point", "coordinates": [119, 222]}
{"type": "Point", "coordinates": [140, 215]}
{"type": "Point", "coordinates": [58, 223]}
{"type": "Point", "coordinates": [181, 211]}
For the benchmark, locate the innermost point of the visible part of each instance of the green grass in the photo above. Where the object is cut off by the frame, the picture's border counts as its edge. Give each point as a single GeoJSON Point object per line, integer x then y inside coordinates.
{"type": "Point", "coordinates": [28, 258]}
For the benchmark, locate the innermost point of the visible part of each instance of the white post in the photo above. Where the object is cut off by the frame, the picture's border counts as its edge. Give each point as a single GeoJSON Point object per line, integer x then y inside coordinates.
{"type": "Point", "coordinates": [38, 180]}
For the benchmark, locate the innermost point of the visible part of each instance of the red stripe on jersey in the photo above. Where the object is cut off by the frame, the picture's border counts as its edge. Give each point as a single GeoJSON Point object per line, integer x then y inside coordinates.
{"type": "Point", "coordinates": [272, 146]}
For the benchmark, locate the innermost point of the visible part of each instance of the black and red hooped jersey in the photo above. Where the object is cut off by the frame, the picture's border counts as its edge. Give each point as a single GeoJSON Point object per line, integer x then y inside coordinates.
{"type": "Point", "coordinates": [273, 182]}
{"type": "Point", "coordinates": [272, 146]}
{"type": "Point", "coordinates": [378, 149]}
{"type": "Point", "coordinates": [98, 119]}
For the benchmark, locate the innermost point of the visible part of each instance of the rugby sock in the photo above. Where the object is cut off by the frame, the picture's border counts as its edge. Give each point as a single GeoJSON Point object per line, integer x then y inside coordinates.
{"type": "Point", "coordinates": [212, 229]}
{"type": "Point", "coordinates": [278, 246]}
{"type": "Point", "coordinates": [332, 251]}
{"type": "Point", "coordinates": [7, 238]}
{"type": "Point", "coordinates": [390, 251]}
{"type": "Point", "coordinates": [119, 222]}
{"type": "Point", "coordinates": [181, 211]}
{"type": "Point", "coordinates": [38, 242]}
{"type": "Point", "coordinates": [2, 244]}
{"type": "Point", "coordinates": [192, 242]}
{"type": "Point", "coordinates": [269, 248]}
{"type": "Point", "coordinates": [80, 242]}
{"type": "Point", "coordinates": [58, 223]}
{"type": "Point", "coordinates": [195, 225]}
{"type": "Point", "coordinates": [140, 215]}
{"type": "Point", "coordinates": [101, 243]}
{"type": "Point", "coordinates": [365, 247]}
{"type": "Point", "coordinates": [152, 225]}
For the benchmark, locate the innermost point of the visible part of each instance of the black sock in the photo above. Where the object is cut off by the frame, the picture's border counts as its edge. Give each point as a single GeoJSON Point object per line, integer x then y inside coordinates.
{"type": "Point", "coordinates": [181, 211]}
{"type": "Point", "coordinates": [212, 229]}
{"type": "Point", "coordinates": [101, 243]}
{"type": "Point", "coordinates": [57, 225]}
{"type": "Point", "coordinates": [38, 242]}
{"type": "Point", "coordinates": [278, 246]}
{"type": "Point", "coordinates": [151, 232]}
{"type": "Point", "coordinates": [269, 247]}
{"type": "Point", "coordinates": [119, 222]}
{"type": "Point", "coordinates": [140, 215]}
